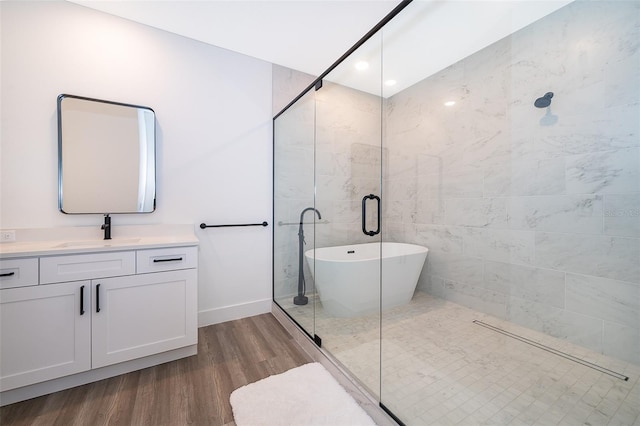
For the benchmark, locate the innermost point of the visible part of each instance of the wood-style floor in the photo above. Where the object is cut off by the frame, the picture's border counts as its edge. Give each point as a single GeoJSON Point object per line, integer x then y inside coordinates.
{"type": "Point", "coordinates": [189, 391]}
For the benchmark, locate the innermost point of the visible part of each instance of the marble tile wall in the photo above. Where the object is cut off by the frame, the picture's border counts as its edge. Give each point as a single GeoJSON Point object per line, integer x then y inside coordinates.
{"type": "Point", "coordinates": [532, 215]}
{"type": "Point", "coordinates": [348, 161]}
{"type": "Point", "coordinates": [293, 170]}
{"type": "Point", "coordinates": [327, 156]}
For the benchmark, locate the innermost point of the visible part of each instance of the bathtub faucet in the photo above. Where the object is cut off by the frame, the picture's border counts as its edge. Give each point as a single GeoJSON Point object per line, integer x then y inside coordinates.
{"type": "Point", "coordinates": [300, 229]}
{"type": "Point", "coordinates": [301, 299]}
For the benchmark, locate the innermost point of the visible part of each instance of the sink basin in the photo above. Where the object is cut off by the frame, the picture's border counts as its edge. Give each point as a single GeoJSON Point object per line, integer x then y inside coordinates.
{"type": "Point", "coordinates": [99, 243]}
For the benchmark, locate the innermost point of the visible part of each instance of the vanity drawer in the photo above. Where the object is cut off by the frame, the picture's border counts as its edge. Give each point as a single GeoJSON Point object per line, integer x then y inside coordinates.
{"type": "Point", "coordinates": [57, 269]}
{"type": "Point", "coordinates": [167, 259]}
{"type": "Point", "coordinates": [18, 272]}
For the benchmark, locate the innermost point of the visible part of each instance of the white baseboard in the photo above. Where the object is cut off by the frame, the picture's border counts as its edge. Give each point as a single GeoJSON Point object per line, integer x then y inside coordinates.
{"type": "Point", "coordinates": [233, 312]}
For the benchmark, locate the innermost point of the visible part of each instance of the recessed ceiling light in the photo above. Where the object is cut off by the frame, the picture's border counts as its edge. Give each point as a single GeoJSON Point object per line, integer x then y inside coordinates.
{"type": "Point", "coordinates": [390, 83]}
{"type": "Point", "coordinates": [362, 65]}
{"type": "Point", "coordinates": [450, 103]}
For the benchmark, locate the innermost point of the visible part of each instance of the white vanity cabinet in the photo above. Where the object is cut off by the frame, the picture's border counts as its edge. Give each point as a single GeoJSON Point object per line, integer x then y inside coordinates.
{"type": "Point", "coordinates": [142, 315]}
{"type": "Point", "coordinates": [44, 334]}
{"type": "Point", "coordinates": [87, 311]}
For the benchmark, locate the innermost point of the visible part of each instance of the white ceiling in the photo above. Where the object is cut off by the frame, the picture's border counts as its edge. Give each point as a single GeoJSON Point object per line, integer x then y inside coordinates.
{"type": "Point", "coordinates": [309, 35]}
{"type": "Point", "coordinates": [306, 35]}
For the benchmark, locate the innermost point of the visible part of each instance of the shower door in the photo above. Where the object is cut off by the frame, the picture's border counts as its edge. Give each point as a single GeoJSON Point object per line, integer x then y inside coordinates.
{"type": "Point", "coordinates": [348, 194]}
{"type": "Point", "coordinates": [517, 163]}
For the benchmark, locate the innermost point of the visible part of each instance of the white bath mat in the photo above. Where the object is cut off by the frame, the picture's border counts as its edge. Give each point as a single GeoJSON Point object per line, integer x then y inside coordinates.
{"type": "Point", "coordinates": [303, 396]}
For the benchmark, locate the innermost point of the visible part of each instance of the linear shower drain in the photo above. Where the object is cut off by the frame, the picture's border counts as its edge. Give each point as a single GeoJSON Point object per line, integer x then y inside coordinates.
{"type": "Point", "coordinates": [554, 351]}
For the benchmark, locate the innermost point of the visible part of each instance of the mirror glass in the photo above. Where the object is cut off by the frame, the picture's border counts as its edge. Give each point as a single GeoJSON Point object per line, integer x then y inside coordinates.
{"type": "Point", "coordinates": [106, 156]}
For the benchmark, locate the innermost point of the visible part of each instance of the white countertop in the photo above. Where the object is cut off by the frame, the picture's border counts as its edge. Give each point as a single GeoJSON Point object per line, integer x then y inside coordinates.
{"type": "Point", "coordinates": [72, 240]}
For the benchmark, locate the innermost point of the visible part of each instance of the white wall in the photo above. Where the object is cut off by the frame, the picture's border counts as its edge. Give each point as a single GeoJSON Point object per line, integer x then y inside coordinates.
{"type": "Point", "coordinates": [213, 110]}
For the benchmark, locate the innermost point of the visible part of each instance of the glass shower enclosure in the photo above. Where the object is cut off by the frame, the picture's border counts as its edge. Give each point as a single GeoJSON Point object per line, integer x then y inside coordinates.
{"type": "Point", "coordinates": [500, 141]}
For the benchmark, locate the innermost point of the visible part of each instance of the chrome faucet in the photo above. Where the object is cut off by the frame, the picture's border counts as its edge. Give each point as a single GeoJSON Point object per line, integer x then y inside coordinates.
{"type": "Point", "coordinates": [107, 227]}
{"type": "Point", "coordinates": [301, 299]}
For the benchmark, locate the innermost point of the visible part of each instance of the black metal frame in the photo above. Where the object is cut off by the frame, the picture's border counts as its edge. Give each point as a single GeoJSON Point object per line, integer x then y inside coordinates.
{"type": "Point", "coordinates": [204, 225]}
{"type": "Point", "coordinates": [318, 81]}
{"type": "Point", "coordinates": [64, 96]}
{"type": "Point", "coordinates": [390, 413]}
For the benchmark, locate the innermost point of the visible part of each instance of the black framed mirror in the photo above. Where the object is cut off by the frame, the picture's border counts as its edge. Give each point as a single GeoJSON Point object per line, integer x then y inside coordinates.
{"type": "Point", "coordinates": [106, 157]}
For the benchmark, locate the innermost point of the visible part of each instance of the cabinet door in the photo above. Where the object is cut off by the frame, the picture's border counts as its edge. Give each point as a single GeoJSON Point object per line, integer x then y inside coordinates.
{"type": "Point", "coordinates": [142, 315]}
{"type": "Point", "coordinates": [44, 334]}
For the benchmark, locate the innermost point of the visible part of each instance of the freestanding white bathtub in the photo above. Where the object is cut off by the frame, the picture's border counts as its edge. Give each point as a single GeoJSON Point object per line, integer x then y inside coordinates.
{"type": "Point", "coordinates": [347, 278]}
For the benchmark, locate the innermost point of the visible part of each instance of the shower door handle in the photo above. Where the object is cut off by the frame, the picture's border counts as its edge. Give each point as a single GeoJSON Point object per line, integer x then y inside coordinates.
{"type": "Point", "coordinates": [364, 214]}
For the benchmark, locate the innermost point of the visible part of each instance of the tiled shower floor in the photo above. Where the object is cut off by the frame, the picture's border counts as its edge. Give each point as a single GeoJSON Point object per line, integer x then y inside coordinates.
{"type": "Point", "coordinates": [440, 368]}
